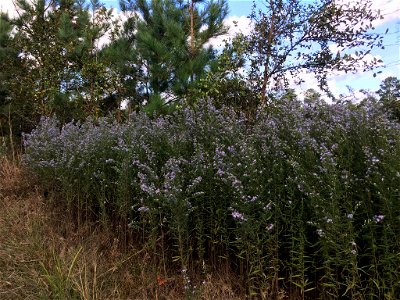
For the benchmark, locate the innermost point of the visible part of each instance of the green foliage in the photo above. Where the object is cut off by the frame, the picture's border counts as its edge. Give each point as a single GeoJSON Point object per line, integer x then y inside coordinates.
{"type": "Point", "coordinates": [225, 83]}
{"type": "Point", "coordinates": [303, 199]}
{"type": "Point", "coordinates": [55, 64]}
{"type": "Point", "coordinates": [60, 68]}
{"type": "Point", "coordinates": [57, 67]}
{"type": "Point", "coordinates": [157, 106]}
{"type": "Point", "coordinates": [291, 36]}
{"type": "Point", "coordinates": [312, 97]}
{"type": "Point", "coordinates": [125, 64]}
{"type": "Point", "coordinates": [59, 281]}
{"type": "Point", "coordinates": [389, 94]}
{"type": "Point", "coordinates": [170, 42]}
{"type": "Point", "coordinates": [7, 55]}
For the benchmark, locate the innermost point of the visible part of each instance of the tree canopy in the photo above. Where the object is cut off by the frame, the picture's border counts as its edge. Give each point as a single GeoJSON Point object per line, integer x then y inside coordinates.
{"type": "Point", "coordinates": [389, 95]}
{"type": "Point", "coordinates": [169, 40]}
{"type": "Point", "coordinates": [291, 36]}
{"type": "Point", "coordinates": [75, 59]}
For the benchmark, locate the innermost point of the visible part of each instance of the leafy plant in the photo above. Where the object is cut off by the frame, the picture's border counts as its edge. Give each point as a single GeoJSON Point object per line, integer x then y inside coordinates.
{"type": "Point", "coordinates": [304, 198]}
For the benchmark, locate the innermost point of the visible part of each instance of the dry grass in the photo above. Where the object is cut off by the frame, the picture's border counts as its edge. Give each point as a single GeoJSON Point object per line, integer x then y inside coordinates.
{"type": "Point", "coordinates": [21, 217]}
{"type": "Point", "coordinates": [45, 255]}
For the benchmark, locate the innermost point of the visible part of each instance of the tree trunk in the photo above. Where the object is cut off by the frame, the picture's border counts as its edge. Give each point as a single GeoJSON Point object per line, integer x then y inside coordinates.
{"type": "Point", "coordinates": [266, 74]}
{"type": "Point", "coordinates": [191, 12]}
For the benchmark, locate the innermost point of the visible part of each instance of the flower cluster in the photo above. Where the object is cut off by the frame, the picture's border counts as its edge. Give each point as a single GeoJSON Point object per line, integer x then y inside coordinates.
{"type": "Point", "coordinates": [294, 183]}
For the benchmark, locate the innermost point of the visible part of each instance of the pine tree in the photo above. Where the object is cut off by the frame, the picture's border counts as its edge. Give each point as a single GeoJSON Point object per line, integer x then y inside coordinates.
{"type": "Point", "coordinates": [125, 63]}
{"type": "Point", "coordinates": [170, 43]}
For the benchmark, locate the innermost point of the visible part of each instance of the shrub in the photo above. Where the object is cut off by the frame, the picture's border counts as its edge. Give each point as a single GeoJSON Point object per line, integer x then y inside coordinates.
{"type": "Point", "coordinates": [303, 198]}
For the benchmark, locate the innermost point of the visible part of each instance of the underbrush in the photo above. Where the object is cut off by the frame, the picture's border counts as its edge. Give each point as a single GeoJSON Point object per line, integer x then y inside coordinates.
{"type": "Point", "coordinates": [301, 201]}
{"type": "Point", "coordinates": [45, 254]}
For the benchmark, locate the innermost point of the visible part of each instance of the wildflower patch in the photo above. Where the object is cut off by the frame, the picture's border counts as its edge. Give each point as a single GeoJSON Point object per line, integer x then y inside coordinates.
{"type": "Point", "coordinates": [307, 194]}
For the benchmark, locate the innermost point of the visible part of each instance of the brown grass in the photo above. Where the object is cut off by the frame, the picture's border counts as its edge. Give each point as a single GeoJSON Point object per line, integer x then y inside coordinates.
{"type": "Point", "coordinates": [44, 254]}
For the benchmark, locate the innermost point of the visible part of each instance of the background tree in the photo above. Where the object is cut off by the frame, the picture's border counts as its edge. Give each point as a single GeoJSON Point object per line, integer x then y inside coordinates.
{"type": "Point", "coordinates": [101, 83]}
{"type": "Point", "coordinates": [225, 82]}
{"type": "Point", "coordinates": [6, 52]}
{"type": "Point", "coordinates": [7, 55]}
{"type": "Point", "coordinates": [59, 68]}
{"type": "Point", "coordinates": [291, 36]}
{"type": "Point", "coordinates": [312, 97]}
{"type": "Point", "coordinates": [35, 78]}
{"type": "Point", "coordinates": [92, 79]}
{"type": "Point", "coordinates": [125, 62]}
{"type": "Point", "coordinates": [389, 95]}
{"type": "Point", "coordinates": [170, 43]}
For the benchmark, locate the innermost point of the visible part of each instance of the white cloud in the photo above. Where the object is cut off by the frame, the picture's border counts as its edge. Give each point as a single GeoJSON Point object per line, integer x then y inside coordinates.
{"type": "Point", "coordinates": [117, 17]}
{"type": "Point", "coordinates": [8, 6]}
{"type": "Point", "coordinates": [389, 9]}
{"type": "Point", "coordinates": [382, 76]}
{"type": "Point", "coordinates": [310, 82]}
{"type": "Point", "coordinates": [338, 83]}
{"type": "Point", "coordinates": [236, 25]}
{"type": "Point", "coordinates": [334, 48]}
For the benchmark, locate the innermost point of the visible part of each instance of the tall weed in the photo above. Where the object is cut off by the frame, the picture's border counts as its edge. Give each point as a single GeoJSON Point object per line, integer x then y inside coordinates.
{"type": "Point", "coordinates": [303, 198]}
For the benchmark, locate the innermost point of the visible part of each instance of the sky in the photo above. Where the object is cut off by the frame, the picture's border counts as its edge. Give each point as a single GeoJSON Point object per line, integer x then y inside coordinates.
{"type": "Point", "coordinates": [338, 82]}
